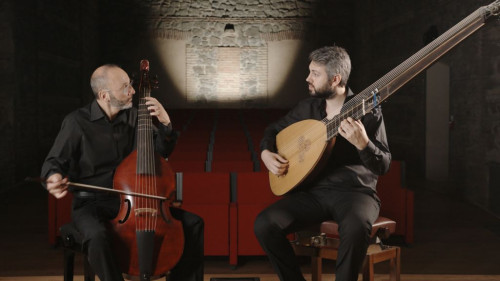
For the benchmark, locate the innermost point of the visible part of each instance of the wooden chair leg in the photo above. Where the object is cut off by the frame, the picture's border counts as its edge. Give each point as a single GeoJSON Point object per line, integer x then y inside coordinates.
{"type": "Point", "coordinates": [69, 263]}
{"type": "Point", "coordinates": [395, 266]}
{"type": "Point", "coordinates": [368, 271]}
{"type": "Point", "coordinates": [316, 268]}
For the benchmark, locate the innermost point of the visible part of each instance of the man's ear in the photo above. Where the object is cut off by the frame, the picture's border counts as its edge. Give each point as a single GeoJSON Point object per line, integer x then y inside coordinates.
{"type": "Point", "coordinates": [335, 80]}
{"type": "Point", "coordinates": [103, 95]}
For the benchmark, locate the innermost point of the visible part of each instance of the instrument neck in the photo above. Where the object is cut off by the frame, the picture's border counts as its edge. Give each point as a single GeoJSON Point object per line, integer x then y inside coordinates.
{"type": "Point", "coordinates": [145, 144]}
{"type": "Point", "coordinates": [371, 97]}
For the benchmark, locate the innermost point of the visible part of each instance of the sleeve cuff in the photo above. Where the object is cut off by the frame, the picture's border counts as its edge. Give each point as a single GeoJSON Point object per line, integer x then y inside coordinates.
{"type": "Point", "coordinates": [368, 150]}
{"type": "Point", "coordinates": [166, 130]}
{"type": "Point", "coordinates": [268, 146]}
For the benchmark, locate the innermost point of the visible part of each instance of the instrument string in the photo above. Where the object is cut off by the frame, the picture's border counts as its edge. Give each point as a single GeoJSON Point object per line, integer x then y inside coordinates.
{"type": "Point", "coordinates": [368, 94]}
{"type": "Point", "coordinates": [332, 126]}
{"type": "Point", "coordinates": [146, 181]}
{"type": "Point", "coordinates": [316, 132]}
{"type": "Point", "coordinates": [152, 177]}
{"type": "Point", "coordinates": [151, 185]}
{"type": "Point", "coordinates": [148, 164]}
{"type": "Point", "coordinates": [141, 173]}
{"type": "Point", "coordinates": [139, 167]}
{"type": "Point", "coordinates": [385, 81]}
{"type": "Point", "coordinates": [147, 175]}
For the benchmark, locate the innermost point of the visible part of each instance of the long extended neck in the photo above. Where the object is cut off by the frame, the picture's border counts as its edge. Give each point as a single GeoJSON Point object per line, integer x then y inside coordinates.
{"type": "Point", "coordinates": [145, 145]}
{"type": "Point", "coordinates": [380, 90]}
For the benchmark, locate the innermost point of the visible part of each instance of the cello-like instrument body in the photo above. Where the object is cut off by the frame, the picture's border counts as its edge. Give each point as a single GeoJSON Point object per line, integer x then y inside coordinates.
{"type": "Point", "coordinates": [147, 241]}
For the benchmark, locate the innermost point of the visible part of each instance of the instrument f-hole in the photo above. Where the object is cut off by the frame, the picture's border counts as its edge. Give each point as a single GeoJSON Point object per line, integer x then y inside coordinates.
{"type": "Point", "coordinates": [128, 212]}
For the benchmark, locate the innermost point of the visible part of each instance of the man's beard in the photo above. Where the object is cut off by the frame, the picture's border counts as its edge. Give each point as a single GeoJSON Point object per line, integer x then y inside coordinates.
{"type": "Point", "coordinates": [322, 93]}
{"type": "Point", "coordinates": [114, 102]}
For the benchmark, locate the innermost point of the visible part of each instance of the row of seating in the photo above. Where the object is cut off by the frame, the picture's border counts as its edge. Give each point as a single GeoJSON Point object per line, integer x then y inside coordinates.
{"type": "Point", "coordinates": [229, 203]}
{"type": "Point", "coordinates": [220, 140]}
{"type": "Point", "coordinates": [215, 180]}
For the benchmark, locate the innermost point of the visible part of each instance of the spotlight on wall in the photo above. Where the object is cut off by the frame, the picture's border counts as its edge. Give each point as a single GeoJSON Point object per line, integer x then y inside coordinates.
{"type": "Point", "coordinates": [229, 28]}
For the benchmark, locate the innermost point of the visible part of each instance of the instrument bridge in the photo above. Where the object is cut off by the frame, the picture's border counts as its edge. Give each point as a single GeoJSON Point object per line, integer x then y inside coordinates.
{"type": "Point", "coordinates": [146, 212]}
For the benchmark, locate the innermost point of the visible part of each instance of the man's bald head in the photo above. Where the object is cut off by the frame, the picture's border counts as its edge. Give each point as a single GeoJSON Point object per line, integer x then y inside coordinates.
{"type": "Point", "coordinates": [100, 78]}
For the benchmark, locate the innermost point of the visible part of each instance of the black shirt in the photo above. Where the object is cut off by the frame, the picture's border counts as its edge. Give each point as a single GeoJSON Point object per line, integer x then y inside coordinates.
{"type": "Point", "coordinates": [347, 167]}
{"type": "Point", "coordinates": [89, 146]}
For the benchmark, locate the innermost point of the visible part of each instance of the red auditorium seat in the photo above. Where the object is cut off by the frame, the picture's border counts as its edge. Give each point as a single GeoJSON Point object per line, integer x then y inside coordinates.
{"type": "Point", "coordinates": [253, 194]}
{"type": "Point", "coordinates": [231, 155]}
{"type": "Point", "coordinates": [234, 144]}
{"type": "Point", "coordinates": [397, 200]}
{"type": "Point", "coordinates": [59, 214]}
{"type": "Point", "coordinates": [198, 155]}
{"type": "Point", "coordinates": [194, 144]}
{"type": "Point", "coordinates": [188, 165]}
{"type": "Point", "coordinates": [207, 195]}
{"type": "Point", "coordinates": [232, 166]}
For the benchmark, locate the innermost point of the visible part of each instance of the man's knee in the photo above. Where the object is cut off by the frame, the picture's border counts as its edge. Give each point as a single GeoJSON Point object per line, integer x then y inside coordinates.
{"type": "Point", "coordinates": [355, 231]}
{"type": "Point", "coordinates": [193, 222]}
{"type": "Point", "coordinates": [263, 225]}
{"type": "Point", "coordinates": [98, 240]}
{"type": "Point", "coordinates": [190, 221]}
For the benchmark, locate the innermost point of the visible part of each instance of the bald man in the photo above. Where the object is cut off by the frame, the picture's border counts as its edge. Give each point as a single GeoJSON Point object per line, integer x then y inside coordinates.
{"type": "Point", "coordinates": [92, 142]}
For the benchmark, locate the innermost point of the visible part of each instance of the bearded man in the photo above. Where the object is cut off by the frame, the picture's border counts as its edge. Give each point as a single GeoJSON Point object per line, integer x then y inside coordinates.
{"type": "Point", "coordinates": [344, 190]}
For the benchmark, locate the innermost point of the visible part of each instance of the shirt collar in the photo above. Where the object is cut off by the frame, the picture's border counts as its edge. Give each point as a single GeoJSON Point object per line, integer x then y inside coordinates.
{"type": "Point", "coordinates": [322, 105]}
{"type": "Point", "coordinates": [97, 113]}
{"type": "Point", "coordinates": [349, 92]}
{"type": "Point", "coordinates": [349, 95]}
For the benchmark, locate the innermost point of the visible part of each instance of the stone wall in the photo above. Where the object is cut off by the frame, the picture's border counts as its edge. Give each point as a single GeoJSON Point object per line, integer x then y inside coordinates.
{"type": "Point", "coordinates": [216, 74]}
{"type": "Point", "coordinates": [232, 8]}
{"type": "Point", "coordinates": [166, 32]}
{"type": "Point", "coordinates": [233, 33]}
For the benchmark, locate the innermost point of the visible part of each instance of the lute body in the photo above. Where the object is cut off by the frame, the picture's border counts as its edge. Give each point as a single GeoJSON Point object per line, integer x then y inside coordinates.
{"type": "Point", "coordinates": [306, 146]}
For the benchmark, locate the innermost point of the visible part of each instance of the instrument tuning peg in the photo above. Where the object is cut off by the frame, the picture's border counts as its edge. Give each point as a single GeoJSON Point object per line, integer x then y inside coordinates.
{"type": "Point", "coordinates": [155, 82]}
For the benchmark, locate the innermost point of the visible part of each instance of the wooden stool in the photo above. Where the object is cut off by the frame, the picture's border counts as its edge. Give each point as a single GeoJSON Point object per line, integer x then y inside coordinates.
{"type": "Point", "coordinates": [72, 243]}
{"type": "Point", "coordinates": [325, 246]}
